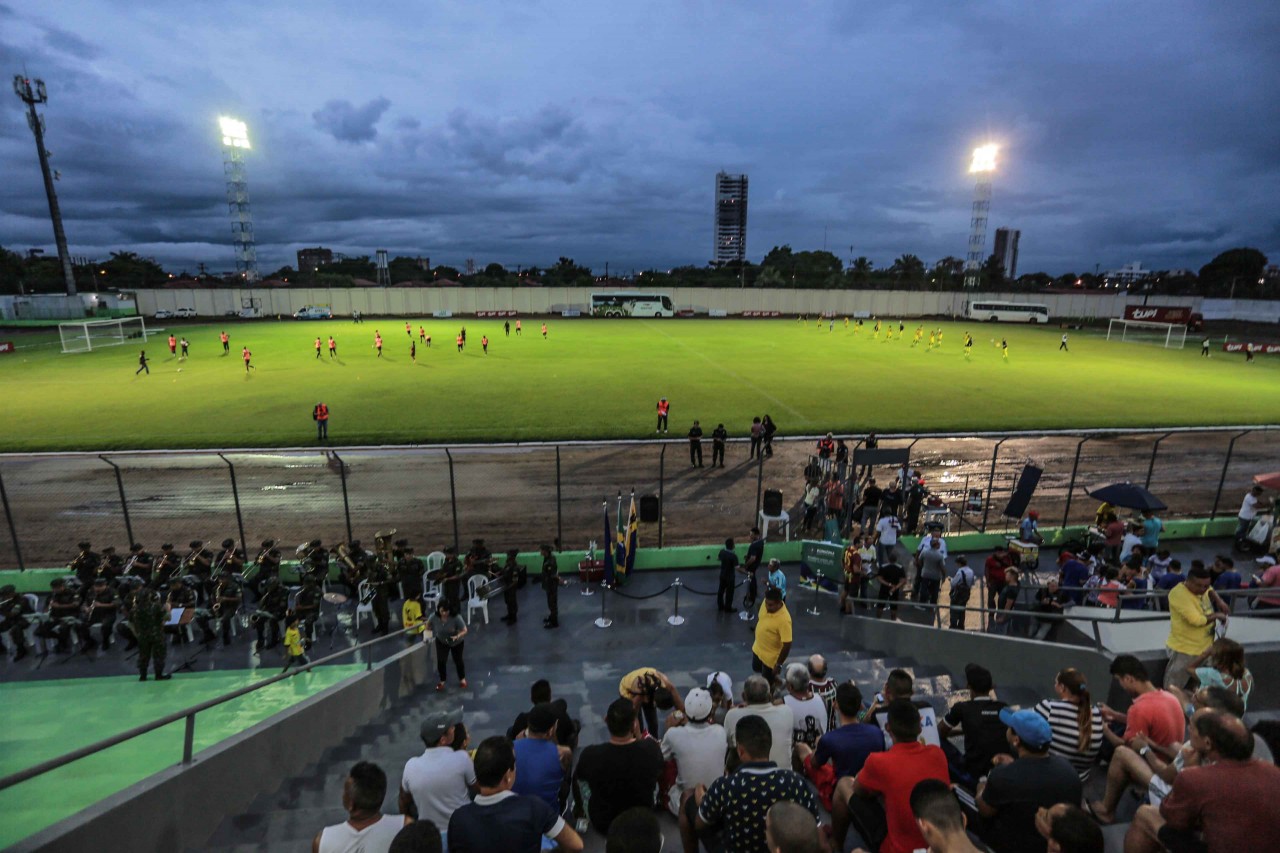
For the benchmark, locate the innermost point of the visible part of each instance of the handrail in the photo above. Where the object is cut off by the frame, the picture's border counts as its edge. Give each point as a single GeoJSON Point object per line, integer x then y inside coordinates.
{"type": "Point", "coordinates": [188, 713]}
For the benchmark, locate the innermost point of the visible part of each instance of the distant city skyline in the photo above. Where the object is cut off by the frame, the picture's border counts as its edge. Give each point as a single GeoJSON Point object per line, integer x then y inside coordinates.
{"type": "Point", "coordinates": [513, 134]}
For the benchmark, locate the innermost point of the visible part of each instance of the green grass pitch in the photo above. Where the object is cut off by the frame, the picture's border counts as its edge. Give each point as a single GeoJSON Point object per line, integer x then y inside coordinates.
{"type": "Point", "coordinates": [602, 379]}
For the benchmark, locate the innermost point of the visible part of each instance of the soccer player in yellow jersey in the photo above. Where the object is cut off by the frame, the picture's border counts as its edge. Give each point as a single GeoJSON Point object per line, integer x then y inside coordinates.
{"type": "Point", "coordinates": [919, 333]}
{"type": "Point", "coordinates": [939, 337]}
{"type": "Point", "coordinates": [1004, 348]}
{"type": "Point", "coordinates": [877, 331]}
{"type": "Point", "coordinates": [968, 345]}
{"type": "Point", "coordinates": [933, 339]}
{"type": "Point", "coordinates": [846, 322]}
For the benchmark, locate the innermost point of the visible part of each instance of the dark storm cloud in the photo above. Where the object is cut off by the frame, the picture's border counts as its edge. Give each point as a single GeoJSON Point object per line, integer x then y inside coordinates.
{"type": "Point", "coordinates": [519, 133]}
{"type": "Point", "coordinates": [348, 123]}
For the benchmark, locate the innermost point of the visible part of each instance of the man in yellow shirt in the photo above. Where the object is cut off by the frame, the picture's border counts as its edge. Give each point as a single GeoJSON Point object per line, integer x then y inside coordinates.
{"type": "Point", "coordinates": [650, 691]}
{"type": "Point", "coordinates": [1194, 611]}
{"type": "Point", "coordinates": [773, 636]}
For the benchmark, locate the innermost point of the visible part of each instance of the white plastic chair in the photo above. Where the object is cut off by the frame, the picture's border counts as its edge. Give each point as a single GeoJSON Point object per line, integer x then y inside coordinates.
{"type": "Point", "coordinates": [362, 589]}
{"type": "Point", "coordinates": [430, 589]}
{"type": "Point", "coordinates": [475, 585]}
{"type": "Point", "coordinates": [34, 642]}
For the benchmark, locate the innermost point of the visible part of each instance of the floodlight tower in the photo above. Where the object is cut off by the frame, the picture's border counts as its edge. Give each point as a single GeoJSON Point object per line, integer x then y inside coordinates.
{"type": "Point", "coordinates": [32, 92]}
{"type": "Point", "coordinates": [983, 165]}
{"type": "Point", "coordinates": [235, 141]}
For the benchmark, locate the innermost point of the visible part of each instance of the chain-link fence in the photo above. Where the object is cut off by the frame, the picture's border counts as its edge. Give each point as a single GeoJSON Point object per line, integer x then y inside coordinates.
{"type": "Point", "coordinates": [521, 496]}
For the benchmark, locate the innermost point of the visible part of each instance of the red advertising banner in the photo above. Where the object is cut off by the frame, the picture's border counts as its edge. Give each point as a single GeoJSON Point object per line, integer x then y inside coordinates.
{"type": "Point", "coordinates": [1266, 349]}
{"type": "Point", "coordinates": [1157, 313]}
{"type": "Point", "coordinates": [761, 313]}
{"type": "Point", "coordinates": [497, 313]}
{"type": "Point", "coordinates": [6, 346]}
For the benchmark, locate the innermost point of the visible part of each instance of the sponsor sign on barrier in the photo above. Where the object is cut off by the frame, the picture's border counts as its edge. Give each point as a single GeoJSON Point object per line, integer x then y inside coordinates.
{"type": "Point", "coordinates": [1157, 313]}
{"type": "Point", "coordinates": [761, 313]}
{"type": "Point", "coordinates": [571, 312]}
{"type": "Point", "coordinates": [497, 313]}
{"type": "Point", "coordinates": [6, 346]}
{"type": "Point", "coordinates": [442, 315]}
{"type": "Point", "coordinates": [717, 312]}
{"type": "Point", "coordinates": [1269, 349]}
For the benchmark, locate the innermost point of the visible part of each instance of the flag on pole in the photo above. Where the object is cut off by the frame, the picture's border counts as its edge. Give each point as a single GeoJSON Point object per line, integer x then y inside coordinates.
{"type": "Point", "coordinates": [628, 541]}
{"type": "Point", "coordinates": [608, 551]}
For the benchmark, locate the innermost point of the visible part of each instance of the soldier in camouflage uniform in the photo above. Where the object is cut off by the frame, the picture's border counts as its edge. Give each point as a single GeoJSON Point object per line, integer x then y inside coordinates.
{"type": "Point", "coordinates": [148, 616]}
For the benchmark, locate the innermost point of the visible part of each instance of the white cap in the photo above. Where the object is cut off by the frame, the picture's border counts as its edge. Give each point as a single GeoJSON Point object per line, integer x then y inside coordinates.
{"type": "Point", "coordinates": [723, 679]}
{"type": "Point", "coordinates": [1267, 560]}
{"type": "Point", "coordinates": [698, 705]}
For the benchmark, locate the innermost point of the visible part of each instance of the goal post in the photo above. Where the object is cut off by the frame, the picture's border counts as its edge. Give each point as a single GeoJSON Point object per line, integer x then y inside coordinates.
{"type": "Point", "coordinates": [1168, 335]}
{"type": "Point", "coordinates": [86, 335]}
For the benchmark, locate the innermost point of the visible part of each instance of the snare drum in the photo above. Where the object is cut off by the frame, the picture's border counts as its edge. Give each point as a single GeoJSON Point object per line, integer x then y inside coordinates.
{"type": "Point", "coordinates": [335, 598]}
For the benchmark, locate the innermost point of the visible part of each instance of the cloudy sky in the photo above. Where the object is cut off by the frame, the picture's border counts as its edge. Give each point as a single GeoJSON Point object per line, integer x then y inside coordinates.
{"type": "Point", "coordinates": [519, 131]}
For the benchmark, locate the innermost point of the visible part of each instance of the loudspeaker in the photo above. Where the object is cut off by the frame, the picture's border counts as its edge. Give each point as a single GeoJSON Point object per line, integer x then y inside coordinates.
{"type": "Point", "coordinates": [772, 502]}
{"type": "Point", "coordinates": [650, 509]}
{"type": "Point", "coordinates": [1026, 486]}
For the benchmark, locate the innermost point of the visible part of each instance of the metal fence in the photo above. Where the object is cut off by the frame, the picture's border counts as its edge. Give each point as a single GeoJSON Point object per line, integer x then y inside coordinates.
{"type": "Point", "coordinates": [520, 496]}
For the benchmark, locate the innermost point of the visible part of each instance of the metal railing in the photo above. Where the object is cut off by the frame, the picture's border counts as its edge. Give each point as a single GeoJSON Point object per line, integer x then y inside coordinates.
{"type": "Point", "coordinates": [188, 714]}
{"type": "Point", "coordinates": [520, 495]}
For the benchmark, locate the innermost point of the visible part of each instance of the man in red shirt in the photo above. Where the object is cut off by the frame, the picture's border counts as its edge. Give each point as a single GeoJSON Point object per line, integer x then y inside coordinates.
{"type": "Point", "coordinates": [996, 565]}
{"type": "Point", "coordinates": [1227, 800]}
{"type": "Point", "coordinates": [1156, 714]}
{"type": "Point", "coordinates": [891, 776]}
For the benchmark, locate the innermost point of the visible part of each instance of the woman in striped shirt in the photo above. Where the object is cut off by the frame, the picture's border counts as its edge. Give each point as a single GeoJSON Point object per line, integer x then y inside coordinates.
{"type": "Point", "coordinates": [1076, 723]}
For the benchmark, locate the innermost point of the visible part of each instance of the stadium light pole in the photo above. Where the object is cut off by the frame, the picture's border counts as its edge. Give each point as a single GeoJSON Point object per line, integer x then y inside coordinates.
{"type": "Point", "coordinates": [235, 142]}
{"type": "Point", "coordinates": [983, 165]}
{"type": "Point", "coordinates": [32, 92]}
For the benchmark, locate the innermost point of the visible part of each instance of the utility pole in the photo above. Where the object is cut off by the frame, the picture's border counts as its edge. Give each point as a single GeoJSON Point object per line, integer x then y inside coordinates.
{"type": "Point", "coordinates": [32, 92]}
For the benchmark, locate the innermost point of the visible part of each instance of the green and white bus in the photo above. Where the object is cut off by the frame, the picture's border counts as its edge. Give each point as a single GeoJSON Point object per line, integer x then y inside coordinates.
{"type": "Point", "coordinates": [625, 303]}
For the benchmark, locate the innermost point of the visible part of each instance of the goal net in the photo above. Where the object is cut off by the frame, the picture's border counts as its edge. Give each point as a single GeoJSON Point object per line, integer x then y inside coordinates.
{"type": "Point", "coordinates": [1168, 335]}
{"type": "Point", "coordinates": [87, 335]}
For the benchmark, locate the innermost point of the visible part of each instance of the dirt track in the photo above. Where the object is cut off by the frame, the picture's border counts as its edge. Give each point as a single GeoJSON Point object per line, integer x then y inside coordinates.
{"type": "Point", "coordinates": [509, 495]}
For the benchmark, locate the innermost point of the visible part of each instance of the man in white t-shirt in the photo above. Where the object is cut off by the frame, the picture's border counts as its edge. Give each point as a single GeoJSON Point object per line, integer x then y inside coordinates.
{"type": "Point", "coordinates": [757, 696]}
{"type": "Point", "coordinates": [886, 537]}
{"type": "Point", "coordinates": [366, 827]}
{"type": "Point", "coordinates": [697, 744]}
{"type": "Point", "coordinates": [1248, 510]}
{"type": "Point", "coordinates": [810, 714]}
{"type": "Point", "coordinates": [442, 778]}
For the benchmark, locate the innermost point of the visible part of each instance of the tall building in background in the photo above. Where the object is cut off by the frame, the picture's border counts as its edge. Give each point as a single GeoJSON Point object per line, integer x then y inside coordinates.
{"type": "Point", "coordinates": [1006, 250]}
{"type": "Point", "coordinates": [310, 260]}
{"type": "Point", "coordinates": [731, 218]}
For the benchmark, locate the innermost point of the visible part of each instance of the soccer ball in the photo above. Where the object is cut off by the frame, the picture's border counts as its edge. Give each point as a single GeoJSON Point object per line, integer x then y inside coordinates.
{"type": "Point", "coordinates": [179, 369]}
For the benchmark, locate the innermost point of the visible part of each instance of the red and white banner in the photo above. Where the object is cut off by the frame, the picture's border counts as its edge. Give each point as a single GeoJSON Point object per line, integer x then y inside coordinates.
{"type": "Point", "coordinates": [1157, 313]}
{"type": "Point", "coordinates": [1270, 349]}
{"type": "Point", "coordinates": [497, 313]}
{"type": "Point", "coordinates": [6, 346]}
{"type": "Point", "coordinates": [761, 313]}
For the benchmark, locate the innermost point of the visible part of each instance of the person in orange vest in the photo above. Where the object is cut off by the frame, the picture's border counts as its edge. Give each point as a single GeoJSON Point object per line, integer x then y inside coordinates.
{"type": "Point", "coordinates": [173, 345]}
{"type": "Point", "coordinates": [377, 342]}
{"type": "Point", "coordinates": [246, 355]}
{"type": "Point", "coordinates": [422, 334]}
{"type": "Point", "coordinates": [226, 342]}
{"type": "Point", "coordinates": [826, 446]}
{"type": "Point", "coordinates": [408, 329]}
{"type": "Point", "coordinates": [460, 340]}
{"type": "Point", "coordinates": [320, 414]}
{"type": "Point", "coordinates": [517, 328]}
{"type": "Point", "coordinates": [333, 347]}
{"type": "Point", "coordinates": [664, 409]}
{"type": "Point", "coordinates": [544, 331]}
{"type": "Point", "coordinates": [484, 343]}
{"type": "Point", "coordinates": [317, 346]}
{"type": "Point", "coordinates": [428, 339]}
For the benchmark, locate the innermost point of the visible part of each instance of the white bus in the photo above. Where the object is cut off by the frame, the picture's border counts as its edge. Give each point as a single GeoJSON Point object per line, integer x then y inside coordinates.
{"type": "Point", "coordinates": [620, 303]}
{"type": "Point", "coordinates": [990, 310]}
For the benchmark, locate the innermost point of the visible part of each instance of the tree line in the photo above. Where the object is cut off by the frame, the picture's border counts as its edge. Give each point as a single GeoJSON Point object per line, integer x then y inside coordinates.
{"type": "Point", "coordinates": [1236, 272]}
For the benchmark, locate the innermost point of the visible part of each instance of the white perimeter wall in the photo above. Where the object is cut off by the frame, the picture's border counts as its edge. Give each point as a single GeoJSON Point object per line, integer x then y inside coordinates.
{"type": "Point", "coordinates": [405, 302]}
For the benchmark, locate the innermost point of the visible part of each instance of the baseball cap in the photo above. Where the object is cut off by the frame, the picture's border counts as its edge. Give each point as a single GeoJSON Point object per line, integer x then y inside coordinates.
{"type": "Point", "coordinates": [1267, 560]}
{"type": "Point", "coordinates": [723, 679]}
{"type": "Point", "coordinates": [436, 723]}
{"type": "Point", "coordinates": [697, 704]}
{"type": "Point", "coordinates": [1029, 726]}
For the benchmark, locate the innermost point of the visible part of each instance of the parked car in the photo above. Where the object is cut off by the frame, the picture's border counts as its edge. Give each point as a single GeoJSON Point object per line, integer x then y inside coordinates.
{"type": "Point", "coordinates": [186, 312]}
{"type": "Point", "coordinates": [164, 314]}
{"type": "Point", "coordinates": [313, 312]}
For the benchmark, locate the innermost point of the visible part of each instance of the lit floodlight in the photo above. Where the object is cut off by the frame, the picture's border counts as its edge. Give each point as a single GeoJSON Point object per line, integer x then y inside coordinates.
{"type": "Point", "coordinates": [234, 132]}
{"type": "Point", "coordinates": [984, 158]}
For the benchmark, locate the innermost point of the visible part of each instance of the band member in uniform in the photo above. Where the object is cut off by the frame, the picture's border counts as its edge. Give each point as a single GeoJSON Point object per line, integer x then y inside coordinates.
{"type": "Point", "coordinates": [63, 611]}
{"type": "Point", "coordinates": [148, 615]}
{"type": "Point", "coordinates": [478, 558]}
{"type": "Point", "coordinates": [382, 588]}
{"type": "Point", "coordinates": [226, 603]}
{"type": "Point", "coordinates": [103, 607]}
{"type": "Point", "coordinates": [230, 560]}
{"type": "Point", "coordinates": [14, 610]}
{"type": "Point", "coordinates": [353, 562]}
{"type": "Point", "coordinates": [451, 574]}
{"type": "Point", "coordinates": [85, 564]}
{"type": "Point", "coordinates": [307, 606]}
{"type": "Point", "coordinates": [181, 595]}
{"type": "Point", "coordinates": [551, 583]}
{"type": "Point", "coordinates": [409, 569]}
{"type": "Point", "coordinates": [509, 577]}
{"type": "Point", "coordinates": [166, 564]}
{"type": "Point", "coordinates": [272, 607]}
{"type": "Point", "coordinates": [265, 567]}
{"type": "Point", "coordinates": [199, 562]}
{"type": "Point", "coordinates": [112, 565]}
{"type": "Point", "coordinates": [314, 562]}
{"type": "Point", "coordinates": [140, 562]}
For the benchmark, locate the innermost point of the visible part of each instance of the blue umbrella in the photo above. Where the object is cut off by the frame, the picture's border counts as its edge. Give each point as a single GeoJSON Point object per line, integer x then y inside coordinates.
{"type": "Point", "coordinates": [1127, 495]}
